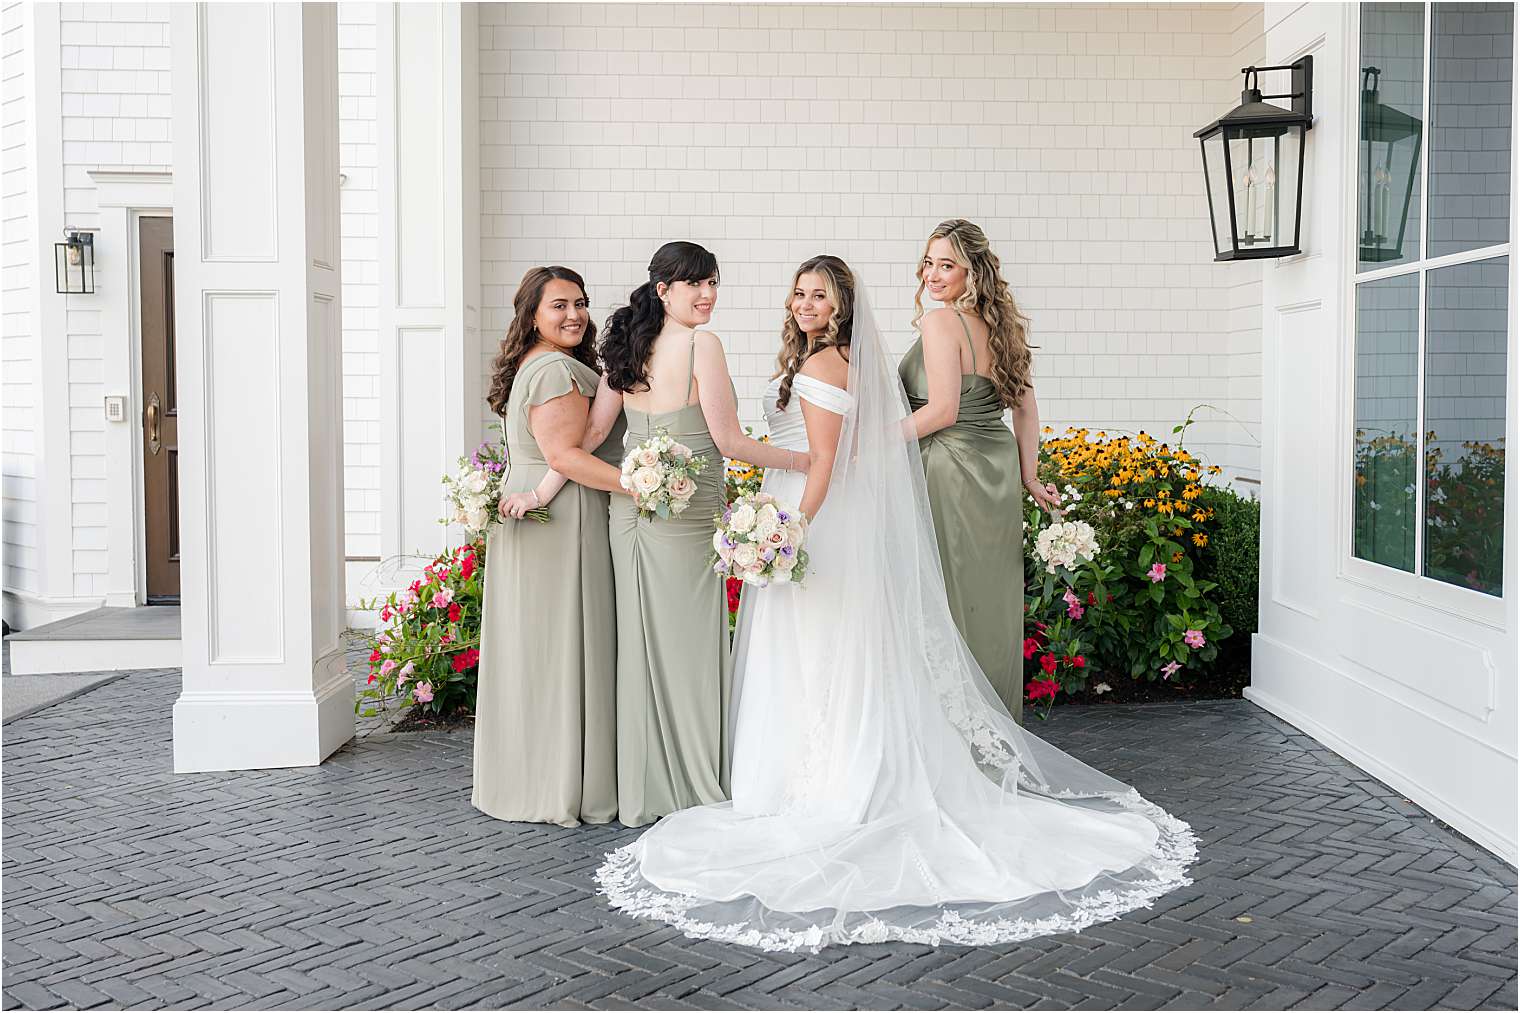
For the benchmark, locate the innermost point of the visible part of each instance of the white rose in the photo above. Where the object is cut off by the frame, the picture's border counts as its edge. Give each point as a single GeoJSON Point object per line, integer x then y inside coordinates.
{"type": "Point", "coordinates": [796, 531]}
{"type": "Point", "coordinates": [743, 518]}
{"type": "Point", "coordinates": [682, 487]}
{"type": "Point", "coordinates": [681, 450]}
{"type": "Point", "coordinates": [648, 457]}
{"type": "Point", "coordinates": [746, 555]}
{"type": "Point", "coordinates": [776, 538]}
{"type": "Point", "coordinates": [765, 527]}
{"type": "Point", "coordinates": [646, 481]}
{"type": "Point", "coordinates": [767, 512]}
{"type": "Point", "coordinates": [723, 549]}
{"type": "Point", "coordinates": [476, 482]}
{"type": "Point", "coordinates": [784, 563]}
{"type": "Point", "coordinates": [475, 520]}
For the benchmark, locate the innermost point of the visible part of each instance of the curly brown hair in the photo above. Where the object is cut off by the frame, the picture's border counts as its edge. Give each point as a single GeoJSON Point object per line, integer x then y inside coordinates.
{"type": "Point", "coordinates": [839, 285]}
{"type": "Point", "coordinates": [987, 297]}
{"type": "Point", "coordinates": [522, 334]}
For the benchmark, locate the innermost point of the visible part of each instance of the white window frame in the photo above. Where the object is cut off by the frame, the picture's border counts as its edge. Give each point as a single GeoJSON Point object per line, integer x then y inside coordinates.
{"type": "Point", "coordinates": [1465, 603]}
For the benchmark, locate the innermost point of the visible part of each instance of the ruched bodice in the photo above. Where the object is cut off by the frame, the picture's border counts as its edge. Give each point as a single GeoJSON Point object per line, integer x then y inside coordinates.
{"type": "Point", "coordinates": [975, 493]}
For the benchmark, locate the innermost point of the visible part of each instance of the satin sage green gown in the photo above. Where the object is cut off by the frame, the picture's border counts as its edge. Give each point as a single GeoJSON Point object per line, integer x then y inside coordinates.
{"type": "Point", "coordinates": [976, 496]}
{"type": "Point", "coordinates": [545, 712]}
{"type": "Point", "coordinates": [672, 638]}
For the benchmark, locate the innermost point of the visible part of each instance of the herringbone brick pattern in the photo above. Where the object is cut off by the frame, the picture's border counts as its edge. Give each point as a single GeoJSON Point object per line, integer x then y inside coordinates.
{"type": "Point", "coordinates": [369, 882]}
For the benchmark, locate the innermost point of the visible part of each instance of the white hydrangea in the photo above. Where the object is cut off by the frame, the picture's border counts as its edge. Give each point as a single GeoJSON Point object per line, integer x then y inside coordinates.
{"type": "Point", "coordinates": [1063, 543]}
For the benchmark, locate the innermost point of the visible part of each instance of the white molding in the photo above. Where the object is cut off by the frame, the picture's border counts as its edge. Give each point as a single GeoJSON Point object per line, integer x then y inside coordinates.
{"type": "Point", "coordinates": [124, 197]}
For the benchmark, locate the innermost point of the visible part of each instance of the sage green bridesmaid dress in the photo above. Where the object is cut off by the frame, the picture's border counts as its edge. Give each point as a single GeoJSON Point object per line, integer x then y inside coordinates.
{"type": "Point", "coordinates": [672, 638]}
{"type": "Point", "coordinates": [545, 712]}
{"type": "Point", "coordinates": [976, 496]}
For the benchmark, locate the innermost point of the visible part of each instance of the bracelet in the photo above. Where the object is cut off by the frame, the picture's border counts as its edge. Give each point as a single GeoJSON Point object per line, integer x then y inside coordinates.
{"type": "Point", "coordinates": [791, 460]}
{"type": "Point", "coordinates": [536, 501]}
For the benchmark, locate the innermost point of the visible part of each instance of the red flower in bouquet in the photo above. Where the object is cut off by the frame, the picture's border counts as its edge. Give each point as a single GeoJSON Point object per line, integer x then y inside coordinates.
{"type": "Point", "coordinates": [732, 586]}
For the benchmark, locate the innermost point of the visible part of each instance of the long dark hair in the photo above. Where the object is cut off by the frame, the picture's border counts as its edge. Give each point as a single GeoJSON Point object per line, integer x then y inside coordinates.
{"type": "Point", "coordinates": [629, 336]}
{"type": "Point", "coordinates": [839, 283]}
{"type": "Point", "coordinates": [522, 332]}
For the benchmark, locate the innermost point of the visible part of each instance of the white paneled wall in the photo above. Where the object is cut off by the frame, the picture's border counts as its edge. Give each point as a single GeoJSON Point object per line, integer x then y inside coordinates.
{"type": "Point", "coordinates": [770, 133]}
{"type": "Point", "coordinates": [361, 353]}
{"type": "Point", "coordinates": [18, 358]}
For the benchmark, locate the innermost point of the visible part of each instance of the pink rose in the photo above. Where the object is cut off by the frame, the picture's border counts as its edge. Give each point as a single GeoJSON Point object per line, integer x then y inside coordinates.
{"type": "Point", "coordinates": [422, 692]}
{"type": "Point", "coordinates": [1157, 573]}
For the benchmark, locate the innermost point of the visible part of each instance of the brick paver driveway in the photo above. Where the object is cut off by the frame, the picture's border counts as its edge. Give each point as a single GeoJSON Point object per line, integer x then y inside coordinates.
{"type": "Point", "coordinates": [370, 882]}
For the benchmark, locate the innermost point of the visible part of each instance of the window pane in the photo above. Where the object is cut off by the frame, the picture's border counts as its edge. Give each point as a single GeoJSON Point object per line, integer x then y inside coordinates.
{"type": "Point", "coordinates": [1388, 148]}
{"type": "Point", "coordinates": [1387, 360]}
{"type": "Point", "coordinates": [1470, 98]}
{"type": "Point", "coordinates": [1219, 191]}
{"type": "Point", "coordinates": [1466, 324]}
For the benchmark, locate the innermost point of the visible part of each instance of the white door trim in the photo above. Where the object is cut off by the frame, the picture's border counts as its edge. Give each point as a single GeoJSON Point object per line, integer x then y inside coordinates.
{"type": "Point", "coordinates": [124, 197]}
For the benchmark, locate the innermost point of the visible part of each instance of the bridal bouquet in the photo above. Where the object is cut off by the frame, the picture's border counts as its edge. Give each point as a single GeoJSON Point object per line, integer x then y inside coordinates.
{"type": "Point", "coordinates": [759, 541]}
{"type": "Point", "coordinates": [475, 488]}
{"type": "Point", "coordinates": [662, 476]}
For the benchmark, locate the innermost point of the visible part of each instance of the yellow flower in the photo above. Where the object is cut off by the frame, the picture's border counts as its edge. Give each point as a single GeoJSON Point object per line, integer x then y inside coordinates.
{"type": "Point", "coordinates": [1200, 540]}
{"type": "Point", "coordinates": [1176, 557]}
{"type": "Point", "coordinates": [1149, 503]}
{"type": "Point", "coordinates": [1200, 516]}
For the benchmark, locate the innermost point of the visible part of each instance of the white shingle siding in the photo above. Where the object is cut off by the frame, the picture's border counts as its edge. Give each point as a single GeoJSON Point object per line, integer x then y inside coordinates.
{"type": "Point", "coordinates": [18, 359]}
{"type": "Point", "coordinates": [771, 133]}
{"type": "Point", "coordinates": [361, 352]}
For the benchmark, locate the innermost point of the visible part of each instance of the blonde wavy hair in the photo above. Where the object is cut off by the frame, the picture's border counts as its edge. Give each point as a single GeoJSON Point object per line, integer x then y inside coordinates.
{"type": "Point", "coordinates": [987, 297]}
{"type": "Point", "coordinates": [839, 288]}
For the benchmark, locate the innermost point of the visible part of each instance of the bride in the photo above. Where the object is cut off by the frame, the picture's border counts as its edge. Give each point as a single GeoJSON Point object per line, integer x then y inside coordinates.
{"type": "Point", "coordinates": [881, 791]}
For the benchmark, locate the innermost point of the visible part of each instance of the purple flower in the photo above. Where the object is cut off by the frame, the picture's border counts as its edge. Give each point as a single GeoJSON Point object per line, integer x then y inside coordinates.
{"type": "Point", "coordinates": [727, 516]}
{"type": "Point", "coordinates": [787, 550]}
{"type": "Point", "coordinates": [767, 553]}
{"type": "Point", "coordinates": [783, 516]}
{"type": "Point", "coordinates": [728, 540]}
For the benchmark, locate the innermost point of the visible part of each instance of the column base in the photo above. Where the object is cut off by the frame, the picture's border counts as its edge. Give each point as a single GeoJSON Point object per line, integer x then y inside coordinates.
{"type": "Point", "coordinates": [252, 730]}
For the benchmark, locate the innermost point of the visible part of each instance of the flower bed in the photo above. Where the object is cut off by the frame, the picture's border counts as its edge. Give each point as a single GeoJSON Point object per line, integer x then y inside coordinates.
{"type": "Point", "coordinates": [1142, 607]}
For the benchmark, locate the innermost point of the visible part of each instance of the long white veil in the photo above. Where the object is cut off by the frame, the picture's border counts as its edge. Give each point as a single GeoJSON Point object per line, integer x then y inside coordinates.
{"type": "Point", "coordinates": [918, 809]}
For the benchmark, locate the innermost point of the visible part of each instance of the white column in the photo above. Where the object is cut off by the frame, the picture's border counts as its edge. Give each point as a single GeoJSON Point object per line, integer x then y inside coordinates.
{"type": "Point", "coordinates": [258, 330]}
{"type": "Point", "coordinates": [426, 98]}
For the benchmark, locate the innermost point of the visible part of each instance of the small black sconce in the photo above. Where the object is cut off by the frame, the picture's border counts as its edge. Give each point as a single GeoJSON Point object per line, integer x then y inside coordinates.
{"type": "Point", "coordinates": [74, 263]}
{"type": "Point", "coordinates": [1253, 168]}
{"type": "Point", "coordinates": [1390, 163]}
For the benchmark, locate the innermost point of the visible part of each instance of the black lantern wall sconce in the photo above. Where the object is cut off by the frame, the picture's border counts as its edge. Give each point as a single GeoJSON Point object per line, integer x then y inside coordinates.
{"type": "Point", "coordinates": [74, 262]}
{"type": "Point", "coordinates": [1390, 163]}
{"type": "Point", "coordinates": [1253, 167]}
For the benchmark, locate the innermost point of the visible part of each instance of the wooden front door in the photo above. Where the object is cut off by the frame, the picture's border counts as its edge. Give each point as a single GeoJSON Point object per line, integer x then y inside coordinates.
{"type": "Point", "coordinates": [160, 409]}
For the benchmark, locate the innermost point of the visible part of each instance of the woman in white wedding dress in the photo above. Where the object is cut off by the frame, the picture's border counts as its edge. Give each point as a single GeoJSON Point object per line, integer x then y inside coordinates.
{"type": "Point", "coordinates": [881, 790]}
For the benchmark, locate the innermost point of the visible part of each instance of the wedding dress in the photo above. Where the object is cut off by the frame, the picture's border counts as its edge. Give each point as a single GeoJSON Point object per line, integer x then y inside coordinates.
{"type": "Point", "coordinates": [880, 789]}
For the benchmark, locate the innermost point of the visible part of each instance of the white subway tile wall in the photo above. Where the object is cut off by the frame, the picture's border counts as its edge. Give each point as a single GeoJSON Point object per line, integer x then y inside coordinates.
{"type": "Point", "coordinates": [771, 133]}
{"type": "Point", "coordinates": [768, 133]}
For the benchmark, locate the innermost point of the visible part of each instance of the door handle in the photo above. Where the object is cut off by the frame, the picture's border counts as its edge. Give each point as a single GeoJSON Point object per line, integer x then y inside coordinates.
{"type": "Point", "coordinates": [150, 420]}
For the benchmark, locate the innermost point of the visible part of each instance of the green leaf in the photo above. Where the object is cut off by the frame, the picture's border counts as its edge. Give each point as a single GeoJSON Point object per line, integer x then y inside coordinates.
{"type": "Point", "coordinates": [1146, 555]}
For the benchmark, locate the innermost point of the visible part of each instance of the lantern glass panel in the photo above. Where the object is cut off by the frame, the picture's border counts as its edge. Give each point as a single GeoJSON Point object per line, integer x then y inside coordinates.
{"type": "Point", "coordinates": [1471, 74]}
{"type": "Point", "coordinates": [1389, 193]}
{"type": "Point", "coordinates": [1264, 166]}
{"type": "Point", "coordinates": [1219, 191]}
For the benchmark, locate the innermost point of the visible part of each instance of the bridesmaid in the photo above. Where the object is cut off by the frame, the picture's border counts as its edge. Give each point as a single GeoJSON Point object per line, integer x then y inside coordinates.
{"type": "Point", "coordinates": [970, 362]}
{"type": "Point", "coordinates": [545, 719]}
{"type": "Point", "coordinates": [672, 620]}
